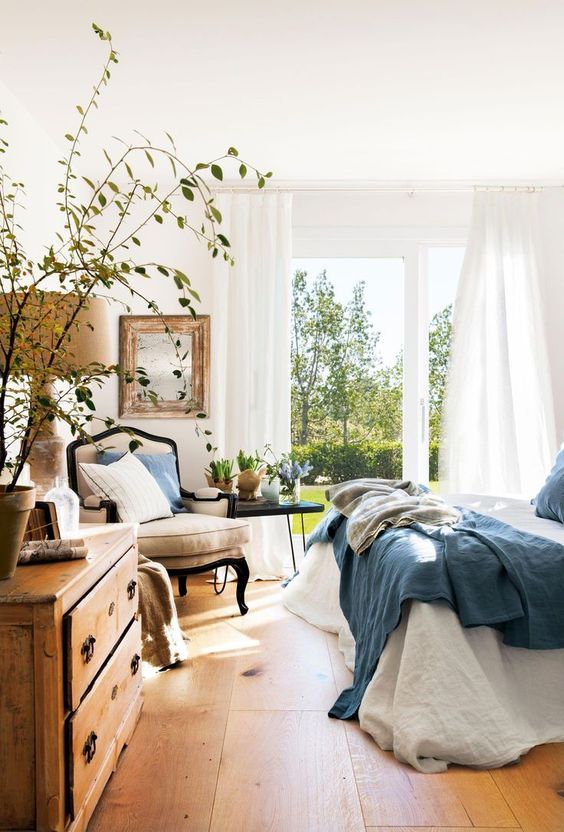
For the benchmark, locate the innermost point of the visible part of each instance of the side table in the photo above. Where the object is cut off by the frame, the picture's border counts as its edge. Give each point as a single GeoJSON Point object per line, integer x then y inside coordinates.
{"type": "Point", "coordinates": [266, 508]}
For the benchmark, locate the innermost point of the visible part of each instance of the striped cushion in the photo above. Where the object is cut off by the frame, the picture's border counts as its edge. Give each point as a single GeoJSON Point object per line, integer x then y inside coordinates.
{"type": "Point", "coordinates": [132, 488]}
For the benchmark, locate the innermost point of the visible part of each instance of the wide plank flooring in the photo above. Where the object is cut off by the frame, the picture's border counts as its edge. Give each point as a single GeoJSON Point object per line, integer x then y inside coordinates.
{"type": "Point", "coordinates": [237, 739]}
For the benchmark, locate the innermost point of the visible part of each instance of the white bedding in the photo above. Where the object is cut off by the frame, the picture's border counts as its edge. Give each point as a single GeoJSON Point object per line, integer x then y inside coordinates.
{"type": "Point", "coordinates": [444, 694]}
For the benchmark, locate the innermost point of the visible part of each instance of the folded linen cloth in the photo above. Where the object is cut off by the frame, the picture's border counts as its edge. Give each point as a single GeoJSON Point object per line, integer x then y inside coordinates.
{"type": "Point", "coordinates": [44, 551]}
{"type": "Point", "coordinates": [374, 505]}
{"type": "Point", "coordinates": [163, 640]}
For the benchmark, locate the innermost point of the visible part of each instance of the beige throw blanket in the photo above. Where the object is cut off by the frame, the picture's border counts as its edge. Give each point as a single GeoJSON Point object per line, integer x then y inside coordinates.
{"type": "Point", "coordinates": [373, 506]}
{"type": "Point", "coordinates": [163, 641]}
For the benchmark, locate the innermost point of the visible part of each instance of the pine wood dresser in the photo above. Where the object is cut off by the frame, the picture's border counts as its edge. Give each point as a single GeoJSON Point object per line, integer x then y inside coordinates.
{"type": "Point", "coordinates": [70, 681]}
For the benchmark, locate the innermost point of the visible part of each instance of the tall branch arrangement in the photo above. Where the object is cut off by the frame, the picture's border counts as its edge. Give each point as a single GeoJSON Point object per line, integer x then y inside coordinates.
{"type": "Point", "coordinates": [44, 303]}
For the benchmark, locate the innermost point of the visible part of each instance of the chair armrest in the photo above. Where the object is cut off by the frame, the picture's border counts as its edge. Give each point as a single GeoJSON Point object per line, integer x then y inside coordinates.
{"type": "Point", "coordinates": [94, 509]}
{"type": "Point", "coordinates": [220, 504]}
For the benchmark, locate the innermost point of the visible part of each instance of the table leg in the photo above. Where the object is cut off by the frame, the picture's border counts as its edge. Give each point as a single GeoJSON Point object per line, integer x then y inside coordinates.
{"type": "Point", "coordinates": [303, 533]}
{"type": "Point", "coordinates": [291, 541]}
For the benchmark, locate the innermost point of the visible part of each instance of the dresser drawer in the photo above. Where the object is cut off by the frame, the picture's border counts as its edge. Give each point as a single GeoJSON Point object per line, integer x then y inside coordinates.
{"type": "Point", "coordinates": [94, 625]}
{"type": "Point", "coordinates": [92, 729]}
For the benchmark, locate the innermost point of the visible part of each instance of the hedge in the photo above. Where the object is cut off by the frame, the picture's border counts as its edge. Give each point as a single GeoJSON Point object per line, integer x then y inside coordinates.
{"type": "Point", "coordinates": [336, 462]}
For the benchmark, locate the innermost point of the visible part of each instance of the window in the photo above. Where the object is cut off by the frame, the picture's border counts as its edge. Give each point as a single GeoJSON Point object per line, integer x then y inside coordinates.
{"type": "Point", "coordinates": [371, 343]}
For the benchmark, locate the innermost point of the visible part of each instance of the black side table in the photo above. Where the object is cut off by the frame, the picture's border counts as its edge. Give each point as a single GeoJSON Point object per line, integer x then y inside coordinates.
{"type": "Point", "coordinates": [266, 508]}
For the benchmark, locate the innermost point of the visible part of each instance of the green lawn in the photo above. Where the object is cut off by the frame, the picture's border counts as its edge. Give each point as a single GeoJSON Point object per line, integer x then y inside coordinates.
{"type": "Point", "coordinates": [316, 494]}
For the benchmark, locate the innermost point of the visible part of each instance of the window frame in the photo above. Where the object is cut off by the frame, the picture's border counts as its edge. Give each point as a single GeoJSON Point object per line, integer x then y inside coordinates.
{"type": "Point", "coordinates": [412, 246]}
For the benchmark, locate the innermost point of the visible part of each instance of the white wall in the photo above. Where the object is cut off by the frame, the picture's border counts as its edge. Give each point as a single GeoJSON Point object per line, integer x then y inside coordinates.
{"type": "Point", "coordinates": [179, 249]}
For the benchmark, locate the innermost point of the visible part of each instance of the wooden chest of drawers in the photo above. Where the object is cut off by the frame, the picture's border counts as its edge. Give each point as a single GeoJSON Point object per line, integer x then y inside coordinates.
{"type": "Point", "coordinates": [70, 682]}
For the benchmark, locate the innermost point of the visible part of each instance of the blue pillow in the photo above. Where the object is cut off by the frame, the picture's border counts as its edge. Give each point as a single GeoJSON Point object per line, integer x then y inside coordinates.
{"type": "Point", "coordinates": [550, 499]}
{"type": "Point", "coordinates": [162, 468]}
{"type": "Point", "coordinates": [558, 465]}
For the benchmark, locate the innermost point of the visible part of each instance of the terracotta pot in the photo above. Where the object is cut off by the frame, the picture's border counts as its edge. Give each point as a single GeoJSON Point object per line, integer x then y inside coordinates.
{"type": "Point", "coordinates": [227, 486]}
{"type": "Point", "coordinates": [248, 483]}
{"type": "Point", "coordinates": [15, 508]}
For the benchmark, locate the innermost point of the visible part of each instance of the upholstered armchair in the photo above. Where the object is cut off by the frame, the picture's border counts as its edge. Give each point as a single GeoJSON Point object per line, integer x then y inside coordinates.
{"type": "Point", "coordinates": [205, 538]}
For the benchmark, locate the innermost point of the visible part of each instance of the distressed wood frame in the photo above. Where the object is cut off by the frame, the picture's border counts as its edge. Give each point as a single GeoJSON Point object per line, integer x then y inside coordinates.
{"type": "Point", "coordinates": [130, 326]}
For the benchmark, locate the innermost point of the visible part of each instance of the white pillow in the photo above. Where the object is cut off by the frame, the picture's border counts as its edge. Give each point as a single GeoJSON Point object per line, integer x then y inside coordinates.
{"type": "Point", "coordinates": [132, 488]}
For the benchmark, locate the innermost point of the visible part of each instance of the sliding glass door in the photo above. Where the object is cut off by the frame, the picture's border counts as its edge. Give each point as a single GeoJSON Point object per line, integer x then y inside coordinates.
{"type": "Point", "coordinates": [347, 362]}
{"type": "Point", "coordinates": [370, 349]}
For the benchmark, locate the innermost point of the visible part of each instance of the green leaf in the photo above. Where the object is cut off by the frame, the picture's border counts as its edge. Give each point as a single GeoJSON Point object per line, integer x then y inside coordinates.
{"type": "Point", "coordinates": [162, 270]}
{"type": "Point", "coordinates": [201, 166]}
{"type": "Point", "coordinates": [216, 213]}
{"type": "Point", "coordinates": [133, 445]}
{"type": "Point", "coordinates": [180, 222]}
{"type": "Point", "coordinates": [69, 137]}
{"type": "Point", "coordinates": [158, 219]}
{"type": "Point", "coordinates": [89, 182]}
{"type": "Point", "coordinates": [224, 240]}
{"type": "Point", "coordinates": [188, 194]}
{"type": "Point", "coordinates": [242, 170]}
{"type": "Point", "coordinates": [183, 302]}
{"type": "Point", "coordinates": [217, 172]}
{"type": "Point", "coordinates": [232, 151]}
{"type": "Point", "coordinates": [261, 183]}
{"type": "Point", "coordinates": [136, 240]}
{"type": "Point", "coordinates": [195, 295]}
{"type": "Point", "coordinates": [140, 270]}
{"type": "Point", "coordinates": [150, 158]}
{"type": "Point", "coordinates": [113, 187]}
{"type": "Point", "coordinates": [102, 199]}
{"type": "Point", "coordinates": [268, 175]}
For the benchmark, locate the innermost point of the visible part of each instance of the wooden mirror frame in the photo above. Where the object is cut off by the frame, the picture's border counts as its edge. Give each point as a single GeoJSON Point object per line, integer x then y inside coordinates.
{"type": "Point", "coordinates": [130, 326]}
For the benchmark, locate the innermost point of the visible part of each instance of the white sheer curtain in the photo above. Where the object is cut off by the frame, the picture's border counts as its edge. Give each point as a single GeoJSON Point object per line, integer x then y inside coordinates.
{"type": "Point", "coordinates": [251, 347]}
{"type": "Point", "coordinates": [499, 426]}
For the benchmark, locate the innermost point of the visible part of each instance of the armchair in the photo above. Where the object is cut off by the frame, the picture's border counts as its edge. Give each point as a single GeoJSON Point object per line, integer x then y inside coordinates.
{"type": "Point", "coordinates": [208, 536]}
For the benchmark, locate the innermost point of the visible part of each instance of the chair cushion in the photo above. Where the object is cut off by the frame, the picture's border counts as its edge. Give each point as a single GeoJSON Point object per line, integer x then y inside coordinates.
{"type": "Point", "coordinates": [162, 467]}
{"type": "Point", "coordinates": [191, 535]}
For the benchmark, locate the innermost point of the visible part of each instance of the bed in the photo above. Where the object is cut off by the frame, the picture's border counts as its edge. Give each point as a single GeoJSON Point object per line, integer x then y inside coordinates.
{"type": "Point", "coordinates": [442, 693]}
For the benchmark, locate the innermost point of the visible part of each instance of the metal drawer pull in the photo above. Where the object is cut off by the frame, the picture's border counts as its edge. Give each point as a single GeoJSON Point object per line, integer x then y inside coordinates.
{"type": "Point", "coordinates": [131, 586]}
{"type": "Point", "coordinates": [135, 663]}
{"type": "Point", "coordinates": [111, 609]}
{"type": "Point", "coordinates": [89, 748]}
{"type": "Point", "coordinates": [87, 649]}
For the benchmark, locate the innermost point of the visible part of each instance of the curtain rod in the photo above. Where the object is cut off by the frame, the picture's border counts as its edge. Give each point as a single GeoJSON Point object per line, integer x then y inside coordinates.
{"type": "Point", "coordinates": [410, 189]}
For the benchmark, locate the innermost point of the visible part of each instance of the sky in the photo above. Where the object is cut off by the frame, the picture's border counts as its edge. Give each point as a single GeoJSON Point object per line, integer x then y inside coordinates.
{"type": "Point", "coordinates": [384, 288]}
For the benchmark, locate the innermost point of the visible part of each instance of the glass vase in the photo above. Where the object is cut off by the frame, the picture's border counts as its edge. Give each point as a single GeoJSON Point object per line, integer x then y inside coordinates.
{"type": "Point", "coordinates": [67, 506]}
{"type": "Point", "coordinates": [289, 492]}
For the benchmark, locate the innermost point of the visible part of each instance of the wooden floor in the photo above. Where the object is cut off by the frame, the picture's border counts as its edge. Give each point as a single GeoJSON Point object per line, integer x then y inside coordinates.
{"type": "Point", "coordinates": [237, 739]}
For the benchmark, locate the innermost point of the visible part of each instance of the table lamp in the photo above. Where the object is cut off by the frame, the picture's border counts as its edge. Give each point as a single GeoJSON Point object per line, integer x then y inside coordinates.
{"type": "Point", "coordinates": [88, 341]}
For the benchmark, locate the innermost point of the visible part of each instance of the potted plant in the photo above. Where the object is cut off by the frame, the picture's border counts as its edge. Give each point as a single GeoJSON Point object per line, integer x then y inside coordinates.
{"type": "Point", "coordinates": [270, 484]}
{"type": "Point", "coordinates": [47, 305]}
{"type": "Point", "coordinates": [220, 475]}
{"type": "Point", "coordinates": [251, 470]}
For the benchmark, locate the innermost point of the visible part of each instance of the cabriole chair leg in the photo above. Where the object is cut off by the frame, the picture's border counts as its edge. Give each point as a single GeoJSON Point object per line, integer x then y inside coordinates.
{"type": "Point", "coordinates": [182, 588]}
{"type": "Point", "coordinates": [241, 567]}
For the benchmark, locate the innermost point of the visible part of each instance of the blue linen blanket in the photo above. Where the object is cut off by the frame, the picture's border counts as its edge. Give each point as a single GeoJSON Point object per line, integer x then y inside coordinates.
{"type": "Point", "coordinates": [487, 571]}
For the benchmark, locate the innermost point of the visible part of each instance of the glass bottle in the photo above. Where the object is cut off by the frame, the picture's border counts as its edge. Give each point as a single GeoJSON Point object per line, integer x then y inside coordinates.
{"type": "Point", "coordinates": [67, 505]}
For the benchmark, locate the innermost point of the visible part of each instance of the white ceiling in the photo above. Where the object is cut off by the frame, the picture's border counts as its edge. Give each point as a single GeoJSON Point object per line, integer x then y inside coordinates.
{"type": "Point", "coordinates": [314, 89]}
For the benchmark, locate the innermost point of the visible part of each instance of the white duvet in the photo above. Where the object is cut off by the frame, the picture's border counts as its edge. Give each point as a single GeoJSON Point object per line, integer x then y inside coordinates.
{"type": "Point", "coordinates": [444, 694]}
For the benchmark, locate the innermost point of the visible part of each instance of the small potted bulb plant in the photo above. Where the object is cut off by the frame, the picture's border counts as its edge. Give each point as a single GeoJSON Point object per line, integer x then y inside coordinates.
{"type": "Point", "coordinates": [251, 471]}
{"type": "Point", "coordinates": [220, 475]}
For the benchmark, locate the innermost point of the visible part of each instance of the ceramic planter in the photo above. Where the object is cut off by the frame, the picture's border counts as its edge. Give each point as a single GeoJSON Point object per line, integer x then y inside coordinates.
{"type": "Point", "coordinates": [248, 483]}
{"type": "Point", "coordinates": [15, 508]}
{"type": "Point", "coordinates": [270, 490]}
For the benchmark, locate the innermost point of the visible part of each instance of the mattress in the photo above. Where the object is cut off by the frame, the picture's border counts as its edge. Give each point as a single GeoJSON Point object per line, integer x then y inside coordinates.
{"type": "Point", "coordinates": [444, 694]}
